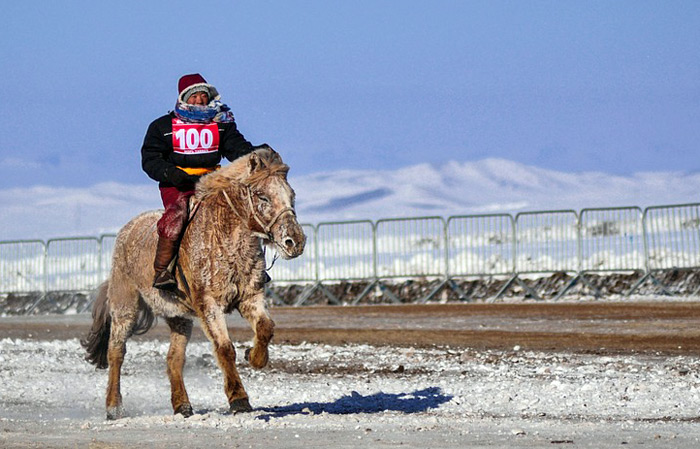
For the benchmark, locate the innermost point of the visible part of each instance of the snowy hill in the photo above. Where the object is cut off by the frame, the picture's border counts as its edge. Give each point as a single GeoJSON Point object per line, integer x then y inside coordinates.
{"type": "Point", "coordinates": [487, 186]}
{"type": "Point", "coordinates": [455, 188]}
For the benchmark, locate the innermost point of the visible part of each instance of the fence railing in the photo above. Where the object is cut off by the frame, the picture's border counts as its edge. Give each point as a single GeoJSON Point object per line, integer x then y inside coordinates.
{"type": "Point", "coordinates": [57, 265]}
{"type": "Point", "coordinates": [591, 240]}
{"type": "Point", "coordinates": [611, 239]}
{"type": "Point", "coordinates": [480, 245]}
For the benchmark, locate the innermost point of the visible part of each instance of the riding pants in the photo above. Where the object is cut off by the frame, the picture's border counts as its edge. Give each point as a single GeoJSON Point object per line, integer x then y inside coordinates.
{"type": "Point", "coordinates": [175, 201]}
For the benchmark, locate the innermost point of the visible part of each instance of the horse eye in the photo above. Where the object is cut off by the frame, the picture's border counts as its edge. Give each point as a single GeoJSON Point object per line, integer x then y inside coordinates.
{"type": "Point", "coordinates": [263, 198]}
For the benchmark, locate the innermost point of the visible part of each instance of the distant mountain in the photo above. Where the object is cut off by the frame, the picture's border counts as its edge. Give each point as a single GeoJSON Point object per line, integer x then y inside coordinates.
{"type": "Point", "coordinates": [486, 186]}
{"type": "Point", "coordinates": [455, 188]}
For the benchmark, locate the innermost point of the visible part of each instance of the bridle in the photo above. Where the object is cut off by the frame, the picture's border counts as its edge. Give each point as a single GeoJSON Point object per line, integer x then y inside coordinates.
{"type": "Point", "coordinates": [267, 228]}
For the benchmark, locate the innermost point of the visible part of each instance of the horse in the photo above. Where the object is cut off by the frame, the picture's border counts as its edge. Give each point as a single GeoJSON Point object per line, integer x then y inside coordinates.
{"type": "Point", "coordinates": [220, 267]}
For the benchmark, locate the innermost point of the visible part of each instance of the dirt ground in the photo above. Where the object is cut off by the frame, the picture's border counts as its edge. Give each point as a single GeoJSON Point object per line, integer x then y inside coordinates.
{"type": "Point", "coordinates": [595, 327]}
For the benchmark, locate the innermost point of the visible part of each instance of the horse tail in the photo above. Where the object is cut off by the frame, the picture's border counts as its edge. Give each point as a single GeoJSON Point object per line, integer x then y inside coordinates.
{"type": "Point", "coordinates": [97, 341]}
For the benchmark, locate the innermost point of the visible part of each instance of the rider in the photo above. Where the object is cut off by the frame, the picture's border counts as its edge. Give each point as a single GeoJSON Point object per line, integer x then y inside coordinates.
{"type": "Point", "coordinates": [178, 148]}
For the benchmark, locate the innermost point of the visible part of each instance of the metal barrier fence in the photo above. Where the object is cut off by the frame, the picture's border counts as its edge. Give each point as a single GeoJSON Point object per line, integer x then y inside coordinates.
{"type": "Point", "coordinates": [480, 245]}
{"type": "Point", "coordinates": [672, 236]}
{"type": "Point", "coordinates": [22, 266]}
{"type": "Point", "coordinates": [547, 241]}
{"type": "Point", "coordinates": [672, 239]}
{"type": "Point", "coordinates": [409, 247]}
{"type": "Point", "coordinates": [345, 251]}
{"type": "Point", "coordinates": [73, 264]}
{"type": "Point", "coordinates": [611, 239]}
{"type": "Point", "coordinates": [657, 239]}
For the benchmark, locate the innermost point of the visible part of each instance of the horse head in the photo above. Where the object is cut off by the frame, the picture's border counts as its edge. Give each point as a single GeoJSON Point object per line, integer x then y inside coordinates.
{"type": "Point", "coordinates": [256, 189]}
{"type": "Point", "coordinates": [271, 203]}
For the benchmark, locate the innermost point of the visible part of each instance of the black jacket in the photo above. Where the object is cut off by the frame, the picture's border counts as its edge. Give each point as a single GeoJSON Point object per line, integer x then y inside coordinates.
{"type": "Point", "coordinates": [157, 155]}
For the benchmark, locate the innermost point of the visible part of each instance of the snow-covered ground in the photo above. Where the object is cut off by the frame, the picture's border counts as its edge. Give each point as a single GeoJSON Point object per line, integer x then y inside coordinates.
{"type": "Point", "coordinates": [355, 396]}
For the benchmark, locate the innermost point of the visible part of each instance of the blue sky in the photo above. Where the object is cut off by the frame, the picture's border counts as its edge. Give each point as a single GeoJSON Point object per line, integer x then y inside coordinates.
{"type": "Point", "coordinates": [610, 86]}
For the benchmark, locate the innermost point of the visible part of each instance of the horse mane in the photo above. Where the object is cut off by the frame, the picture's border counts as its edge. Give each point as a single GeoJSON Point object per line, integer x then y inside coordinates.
{"type": "Point", "coordinates": [247, 170]}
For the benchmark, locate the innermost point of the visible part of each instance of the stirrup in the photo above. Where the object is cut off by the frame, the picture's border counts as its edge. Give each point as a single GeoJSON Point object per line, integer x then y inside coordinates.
{"type": "Point", "coordinates": [165, 281]}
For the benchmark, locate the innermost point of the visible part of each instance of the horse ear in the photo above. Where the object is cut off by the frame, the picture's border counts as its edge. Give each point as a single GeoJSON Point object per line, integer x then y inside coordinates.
{"type": "Point", "coordinates": [275, 156]}
{"type": "Point", "coordinates": [254, 163]}
{"type": "Point", "coordinates": [272, 156]}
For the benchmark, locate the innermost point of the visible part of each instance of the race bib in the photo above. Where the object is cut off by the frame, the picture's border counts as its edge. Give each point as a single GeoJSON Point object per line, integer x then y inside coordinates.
{"type": "Point", "coordinates": [195, 138]}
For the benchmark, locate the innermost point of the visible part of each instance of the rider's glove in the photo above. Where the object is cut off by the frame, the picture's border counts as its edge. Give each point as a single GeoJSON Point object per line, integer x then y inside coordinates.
{"type": "Point", "coordinates": [179, 178]}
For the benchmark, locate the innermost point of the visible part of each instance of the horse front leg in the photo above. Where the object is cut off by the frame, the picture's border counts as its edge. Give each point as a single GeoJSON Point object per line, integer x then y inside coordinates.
{"type": "Point", "coordinates": [180, 333]}
{"type": "Point", "coordinates": [214, 326]}
{"type": "Point", "coordinates": [255, 312]}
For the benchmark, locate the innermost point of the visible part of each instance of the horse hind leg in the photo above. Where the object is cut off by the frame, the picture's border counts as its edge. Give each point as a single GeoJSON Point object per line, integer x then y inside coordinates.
{"type": "Point", "coordinates": [124, 313]}
{"type": "Point", "coordinates": [115, 357]}
{"type": "Point", "coordinates": [256, 314]}
{"type": "Point", "coordinates": [180, 333]}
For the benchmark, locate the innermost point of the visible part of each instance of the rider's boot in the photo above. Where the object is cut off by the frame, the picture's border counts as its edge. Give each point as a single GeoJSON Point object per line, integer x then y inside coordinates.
{"type": "Point", "coordinates": [165, 251]}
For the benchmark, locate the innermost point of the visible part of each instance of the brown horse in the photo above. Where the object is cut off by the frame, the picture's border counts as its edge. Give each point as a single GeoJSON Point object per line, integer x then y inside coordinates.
{"type": "Point", "coordinates": [220, 267]}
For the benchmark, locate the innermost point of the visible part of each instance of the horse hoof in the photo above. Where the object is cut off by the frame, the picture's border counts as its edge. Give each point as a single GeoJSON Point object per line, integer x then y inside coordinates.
{"type": "Point", "coordinates": [259, 362]}
{"type": "Point", "coordinates": [115, 413]}
{"type": "Point", "coordinates": [184, 410]}
{"type": "Point", "coordinates": [241, 405]}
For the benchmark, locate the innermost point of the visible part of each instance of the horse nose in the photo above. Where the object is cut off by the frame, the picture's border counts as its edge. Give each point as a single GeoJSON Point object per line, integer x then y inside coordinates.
{"type": "Point", "coordinates": [289, 243]}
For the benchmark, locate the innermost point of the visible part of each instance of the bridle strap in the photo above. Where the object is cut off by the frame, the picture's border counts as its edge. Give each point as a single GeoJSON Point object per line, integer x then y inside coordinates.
{"type": "Point", "coordinates": [235, 211]}
{"type": "Point", "coordinates": [230, 204]}
{"type": "Point", "coordinates": [267, 229]}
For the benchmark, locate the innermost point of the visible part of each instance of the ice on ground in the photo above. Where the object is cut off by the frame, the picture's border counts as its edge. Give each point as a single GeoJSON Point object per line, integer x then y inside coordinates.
{"type": "Point", "coordinates": [312, 379]}
{"type": "Point", "coordinates": [318, 388]}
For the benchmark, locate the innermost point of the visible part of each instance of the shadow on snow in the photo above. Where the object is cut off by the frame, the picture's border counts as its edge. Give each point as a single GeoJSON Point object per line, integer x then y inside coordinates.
{"type": "Point", "coordinates": [416, 402]}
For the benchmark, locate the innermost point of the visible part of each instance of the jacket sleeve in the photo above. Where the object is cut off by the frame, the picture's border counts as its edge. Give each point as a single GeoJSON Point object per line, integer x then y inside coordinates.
{"type": "Point", "coordinates": [232, 144]}
{"type": "Point", "coordinates": [155, 151]}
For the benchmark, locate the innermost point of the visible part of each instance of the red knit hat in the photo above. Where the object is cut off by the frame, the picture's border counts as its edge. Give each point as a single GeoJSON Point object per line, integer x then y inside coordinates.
{"type": "Point", "coordinates": [188, 80]}
{"type": "Point", "coordinates": [189, 84]}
